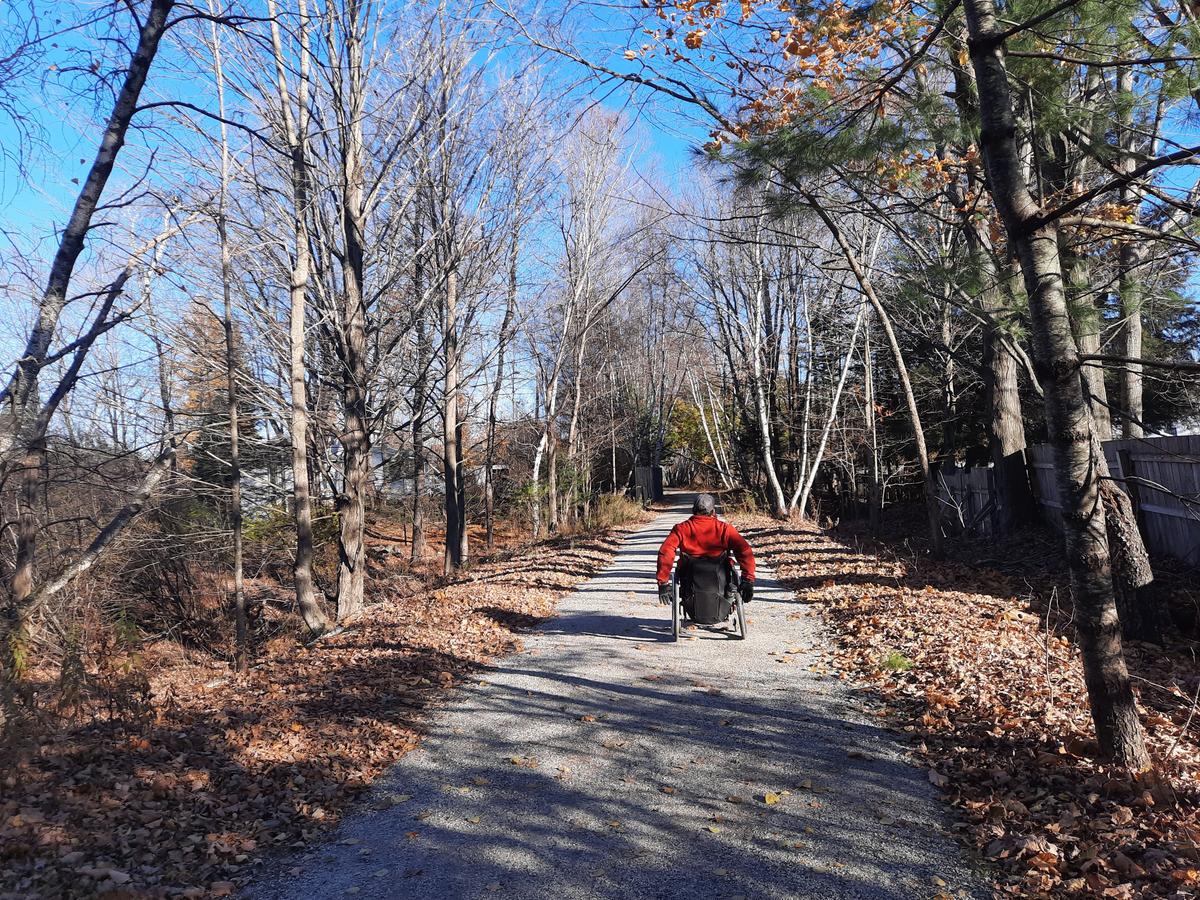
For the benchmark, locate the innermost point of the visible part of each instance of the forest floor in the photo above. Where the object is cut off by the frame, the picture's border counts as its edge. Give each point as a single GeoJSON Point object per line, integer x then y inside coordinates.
{"type": "Point", "coordinates": [974, 658]}
{"type": "Point", "coordinates": [176, 783]}
{"type": "Point", "coordinates": [606, 761]}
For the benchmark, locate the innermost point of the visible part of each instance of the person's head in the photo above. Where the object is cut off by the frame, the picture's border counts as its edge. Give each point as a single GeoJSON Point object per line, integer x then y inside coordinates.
{"type": "Point", "coordinates": [705, 505]}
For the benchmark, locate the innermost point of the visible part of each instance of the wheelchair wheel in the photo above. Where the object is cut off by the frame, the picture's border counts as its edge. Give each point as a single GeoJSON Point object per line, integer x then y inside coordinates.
{"type": "Point", "coordinates": [674, 609]}
{"type": "Point", "coordinates": [741, 619]}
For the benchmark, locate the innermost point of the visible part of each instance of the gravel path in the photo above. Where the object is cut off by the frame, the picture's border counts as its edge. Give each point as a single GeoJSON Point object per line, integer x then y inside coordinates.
{"type": "Point", "coordinates": [607, 762]}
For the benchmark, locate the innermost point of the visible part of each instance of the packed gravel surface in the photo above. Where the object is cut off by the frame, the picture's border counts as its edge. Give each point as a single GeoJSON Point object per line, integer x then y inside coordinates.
{"type": "Point", "coordinates": [606, 761]}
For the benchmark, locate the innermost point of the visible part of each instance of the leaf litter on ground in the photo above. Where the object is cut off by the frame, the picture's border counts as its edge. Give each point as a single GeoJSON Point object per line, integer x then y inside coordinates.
{"type": "Point", "coordinates": [992, 694]}
{"type": "Point", "coordinates": [229, 769]}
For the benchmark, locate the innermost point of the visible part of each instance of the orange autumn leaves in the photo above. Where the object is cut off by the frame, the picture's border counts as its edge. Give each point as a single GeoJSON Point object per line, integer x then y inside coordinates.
{"type": "Point", "coordinates": [789, 60]}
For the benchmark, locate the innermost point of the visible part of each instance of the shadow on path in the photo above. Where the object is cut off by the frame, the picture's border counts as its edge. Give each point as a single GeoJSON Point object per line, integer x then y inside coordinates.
{"type": "Point", "coordinates": [609, 762]}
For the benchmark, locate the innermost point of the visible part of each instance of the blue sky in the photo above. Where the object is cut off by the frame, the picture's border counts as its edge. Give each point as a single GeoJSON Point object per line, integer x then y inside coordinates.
{"type": "Point", "coordinates": [65, 124]}
{"type": "Point", "coordinates": [33, 205]}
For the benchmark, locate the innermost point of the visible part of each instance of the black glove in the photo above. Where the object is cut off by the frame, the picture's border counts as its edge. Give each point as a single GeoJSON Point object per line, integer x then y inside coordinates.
{"type": "Point", "coordinates": [665, 594]}
{"type": "Point", "coordinates": [747, 589]}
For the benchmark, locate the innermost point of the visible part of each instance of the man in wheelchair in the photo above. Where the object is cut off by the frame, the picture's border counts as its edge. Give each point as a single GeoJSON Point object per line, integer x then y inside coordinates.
{"type": "Point", "coordinates": [706, 577]}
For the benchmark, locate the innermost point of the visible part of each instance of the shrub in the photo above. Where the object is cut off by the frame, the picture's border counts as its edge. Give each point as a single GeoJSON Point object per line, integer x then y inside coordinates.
{"type": "Point", "coordinates": [614, 510]}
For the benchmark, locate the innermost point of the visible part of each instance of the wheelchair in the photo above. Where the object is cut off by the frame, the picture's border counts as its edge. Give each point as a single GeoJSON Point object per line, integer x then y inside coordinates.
{"type": "Point", "coordinates": [704, 589]}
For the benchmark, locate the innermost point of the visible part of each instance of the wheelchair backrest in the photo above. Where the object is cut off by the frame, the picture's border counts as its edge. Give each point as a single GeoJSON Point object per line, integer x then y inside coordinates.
{"type": "Point", "coordinates": [707, 574]}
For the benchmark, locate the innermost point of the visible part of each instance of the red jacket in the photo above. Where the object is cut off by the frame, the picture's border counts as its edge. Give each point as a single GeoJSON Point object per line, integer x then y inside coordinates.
{"type": "Point", "coordinates": [704, 536]}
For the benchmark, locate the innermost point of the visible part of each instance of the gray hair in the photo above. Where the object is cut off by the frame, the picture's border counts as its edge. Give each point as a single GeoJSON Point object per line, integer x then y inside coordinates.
{"type": "Point", "coordinates": [705, 505]}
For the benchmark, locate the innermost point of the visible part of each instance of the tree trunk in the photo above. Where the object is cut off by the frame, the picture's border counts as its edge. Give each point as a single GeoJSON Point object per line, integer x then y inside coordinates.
{"type": "Point", "coordinates": [576, 405]}
{"type": "Point", "coordinates": [949, 389]}
{"type": "Point", "coordinates": [460, 442]}
{"type": "Point", "coordinates": [804, 489]}
{"type": "Point", "coordinates": [311, 613]}
{"type": "Point", "coordinates": [1141, 619]}
{"type": "Point", "coordinates": [420, 398]}
{"type": "Point", "coordinates": [546, 441]}
{"type": "Point", "coordinates": [241, 659]}
{"type": "Point", "coordinates": [1089, 322]}
{"type": "Point", "coordinates": [779, 504]}
{"type": "Point", "coordinates": [160, 349]}
{"type": "Point", "coordinates": [808, 394]}
{"type": "Point", "coordinates": [356, 467]}
{"type": "Point", "coordinates": [306, 599]}
{"type": "Point", "coordinates": [726, 482]}
{"type": "Point", "coordinates": [552, 483]}
{"type": "Point", "coordinates": [535, 485]}
{"type": "Point", "coordinates": [355, 438]}
{"type": "Point", "coordinates": [241, 633]}
{"type": "Point", "coordinates": [22, 429]}
{"type": "Point", "coordinates": [612, 424]}
{"type": "Point", "coordinates": [932, 504]}
{"type": "Point", "coordinates": [18, 612]}
{"type": "Point", "coordinates": [451, 470]}
{"type": "Point", "coordinates": [510, 312]}
{"type": "Point", "coordinates": [1114, 709]}
{"type": "Point", "coordinates": [875, 487]}
{"type": "Point", "coordinates": [1131, 257]}
{"type": "Point", "coordinates": [1006, 427]}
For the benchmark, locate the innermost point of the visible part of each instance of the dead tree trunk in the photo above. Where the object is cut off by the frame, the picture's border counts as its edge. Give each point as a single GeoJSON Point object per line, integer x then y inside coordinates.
{"type": "Point", "coordinates": [1142, 617]}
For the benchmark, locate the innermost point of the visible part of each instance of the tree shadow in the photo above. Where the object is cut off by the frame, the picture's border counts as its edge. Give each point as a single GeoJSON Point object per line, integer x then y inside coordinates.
{"type": "Point", "coordinates": [227, 769]}
{"type": "Point", "coordinates": [492, 798]}
{"type": "Point", "coordinates": [998, 699]}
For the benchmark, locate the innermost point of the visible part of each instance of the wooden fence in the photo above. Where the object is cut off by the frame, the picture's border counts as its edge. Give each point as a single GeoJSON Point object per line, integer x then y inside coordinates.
{"type": "Point", "coordinates": [1161, 476]}
{"type": "Point", "coordinates": [967, 498]}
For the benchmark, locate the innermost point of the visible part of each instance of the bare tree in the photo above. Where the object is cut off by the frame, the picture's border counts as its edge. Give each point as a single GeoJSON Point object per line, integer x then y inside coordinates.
{"type": "Point", "coordinates": [296, 131]}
